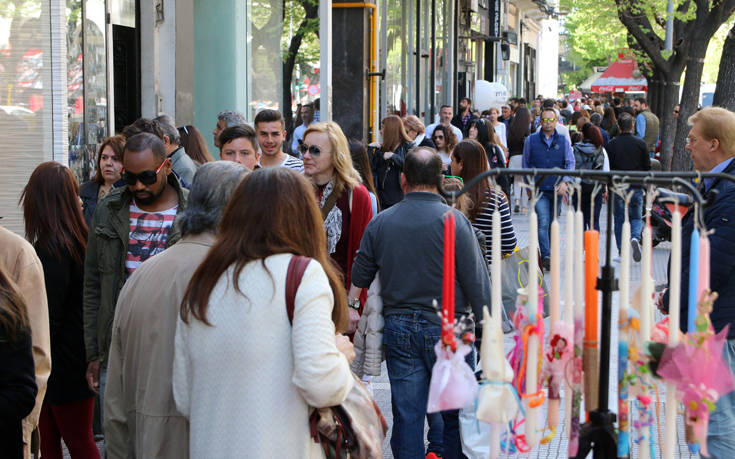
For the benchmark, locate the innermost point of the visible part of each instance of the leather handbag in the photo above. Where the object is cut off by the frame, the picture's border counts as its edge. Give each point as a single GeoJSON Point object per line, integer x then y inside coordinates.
{"type": "Point", "coordinates": [354, 429]}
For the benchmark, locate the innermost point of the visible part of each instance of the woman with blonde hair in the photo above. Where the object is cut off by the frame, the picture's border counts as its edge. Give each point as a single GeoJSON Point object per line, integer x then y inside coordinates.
{"type": "Point", "coordinates": [388, 160]}
{"type": "Point", "coordinates": [344, 201]}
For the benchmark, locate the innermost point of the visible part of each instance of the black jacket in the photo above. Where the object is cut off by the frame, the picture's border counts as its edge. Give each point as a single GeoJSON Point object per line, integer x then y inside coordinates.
{"type": "Point", "coordinates": [88, 192]}
{"type": "Point", "coordinates": [64, 285]}
{"type": "Point", "coordinates": [457, 122]}
{"type": "Point", "coordinates": [719, 218]}
{"type": "Point", "coordinates": [387, 175]}
{"type": "Point", "coordinates": [627, 152]}
{"type": "Point", "coordinates": [17, 391]}
{"type": "Point", "coordinates": [427, 143]}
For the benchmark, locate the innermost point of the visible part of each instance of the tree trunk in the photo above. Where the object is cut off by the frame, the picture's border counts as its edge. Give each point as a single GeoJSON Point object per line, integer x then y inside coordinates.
{"type": "Point", "coordinates": [689, 101]}
{"type": "Point", "coordinates": [667, 124]}
{"type": "Point", "coordinates": [725, 91]}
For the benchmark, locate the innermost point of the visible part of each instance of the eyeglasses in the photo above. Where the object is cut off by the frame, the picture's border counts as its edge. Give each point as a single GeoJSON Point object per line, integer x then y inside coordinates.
{"type": "Point", "coordinates": [148, 177]}
{"type": "Point", "coordinates": [313, 150]}
{"type": "Point", "coordinates": [548, 120]}
{"type": "Point", "coordinates": [440, 137]}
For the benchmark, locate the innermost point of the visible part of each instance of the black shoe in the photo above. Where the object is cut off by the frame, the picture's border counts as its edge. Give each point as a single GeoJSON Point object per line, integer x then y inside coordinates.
{"type": "Point", "coordinates": [636, 249]}
{"type": "Point", "coordinates": [546, 263]}
{"type": "Point", "coordinates": [516, 209]}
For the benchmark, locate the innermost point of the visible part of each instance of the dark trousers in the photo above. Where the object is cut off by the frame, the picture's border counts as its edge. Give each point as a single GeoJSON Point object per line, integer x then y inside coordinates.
{"type": "Point", "coordinates": [409, 341]}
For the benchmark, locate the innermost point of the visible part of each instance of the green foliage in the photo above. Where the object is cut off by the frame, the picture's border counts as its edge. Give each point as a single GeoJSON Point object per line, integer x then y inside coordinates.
{"type": "Point", "coordinates": [594, 35]}
{"type": "Point", "coordinates": [714, 52]}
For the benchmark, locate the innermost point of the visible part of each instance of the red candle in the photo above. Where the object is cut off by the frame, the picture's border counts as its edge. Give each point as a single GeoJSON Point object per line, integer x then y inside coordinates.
{"type": "Point", "coordinates": [448, 278]}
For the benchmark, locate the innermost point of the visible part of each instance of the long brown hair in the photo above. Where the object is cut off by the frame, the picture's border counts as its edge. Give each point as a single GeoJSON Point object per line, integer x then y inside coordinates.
{"type": "Point", "coordinates": [194, 144]}
{"type": "Point", "coordinates": [272, 211]}
{"type": "Point", "coordinates": [13, 313]}
{"type": "Point", "coordinates": [449, 138]}
{"type": "Point", "coordinates": [117, 145]}
{"type": "Point", "coordinates": [361, 163]}
{"type": "Point", "coordinates": [394, 134]}
{"type": "Point", "coordinates": [474, 163]}
{"type": "Point", "coordinates": [520, 127]}
{"type": "Point", "coordinates": [52, 211]}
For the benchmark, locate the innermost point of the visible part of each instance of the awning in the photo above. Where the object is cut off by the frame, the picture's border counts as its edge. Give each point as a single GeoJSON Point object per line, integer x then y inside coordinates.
{"type": "Point", "coordinates": [586, 85]}
{"type": "Point", "coordinates": [622, 75]}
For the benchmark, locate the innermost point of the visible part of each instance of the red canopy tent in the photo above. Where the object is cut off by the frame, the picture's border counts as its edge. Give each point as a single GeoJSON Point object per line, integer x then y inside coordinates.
{"type": "Point", "coordinates": [622, 75]}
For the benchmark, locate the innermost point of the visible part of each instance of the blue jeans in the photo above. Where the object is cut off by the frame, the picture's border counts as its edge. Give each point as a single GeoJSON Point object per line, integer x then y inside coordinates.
{"type": "Point", "coordinates": [409, 341]}
{"type": "Point", "coordinates": [721, 433]}
{"type": "Point", "coordinates": [635, 215]}
{"type": "Point", "coordinates": [103, 384]}
{"type": "Point", "coordinates": [544, 210]}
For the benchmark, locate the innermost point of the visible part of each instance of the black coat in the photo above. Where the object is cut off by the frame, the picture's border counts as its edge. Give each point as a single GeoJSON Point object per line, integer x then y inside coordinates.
{"type": "Point", "coordinates": [427, 143]}
{"type": "Point", "coordinates": [64, 285]}
{"type": "Point", "coordinates": [17, 391]}
{"type": "Point", "coordinates": [88, 192]}
{"type": "Point", "coordinates": [387, 175]}
{"type": "Point", "coordinates": [457, 122]}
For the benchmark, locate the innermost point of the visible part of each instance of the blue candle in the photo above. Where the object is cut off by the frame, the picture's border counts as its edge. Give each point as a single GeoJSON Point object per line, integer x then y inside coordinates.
{"type": "Point", "coordinates": [693, 279]}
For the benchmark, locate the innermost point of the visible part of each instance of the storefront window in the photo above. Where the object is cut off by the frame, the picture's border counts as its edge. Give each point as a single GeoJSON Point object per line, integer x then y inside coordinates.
{"type": "Point", "coordinates": [397, 55]}
{"type": "Point", "coordinates": [26, 137]}
{"type": "Point", "coordinates": [255, 54]}
{"type": "Point", "coordinates": [86, 69]}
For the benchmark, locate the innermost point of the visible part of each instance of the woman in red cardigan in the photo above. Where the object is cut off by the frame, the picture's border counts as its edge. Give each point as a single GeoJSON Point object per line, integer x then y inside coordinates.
{"type": "Point", "coordinates": [344, 201]}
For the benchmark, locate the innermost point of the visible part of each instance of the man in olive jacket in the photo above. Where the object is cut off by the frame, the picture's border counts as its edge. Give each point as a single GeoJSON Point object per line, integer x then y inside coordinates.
{"type": "Point", "coordinates": [130, 225]}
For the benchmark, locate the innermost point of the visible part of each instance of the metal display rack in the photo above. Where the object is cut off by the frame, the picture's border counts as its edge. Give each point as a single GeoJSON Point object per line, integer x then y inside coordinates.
{"type": "Point", "coordinates": [598, 434]}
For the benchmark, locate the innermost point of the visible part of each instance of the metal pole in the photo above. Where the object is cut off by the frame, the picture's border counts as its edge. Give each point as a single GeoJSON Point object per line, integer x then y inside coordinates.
{"type": "Point", "coordinates": [325, 57]}
{"type": "Point", "coordinates": [669, 43]}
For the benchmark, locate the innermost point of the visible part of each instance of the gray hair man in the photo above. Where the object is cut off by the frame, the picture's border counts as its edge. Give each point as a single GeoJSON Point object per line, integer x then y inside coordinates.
{"type": "Point", "coordinates": [225, 119]}
{"type": "Point", "coordinates": [139, 396]}
{"type": "Point", "coordinates": [181, 163]}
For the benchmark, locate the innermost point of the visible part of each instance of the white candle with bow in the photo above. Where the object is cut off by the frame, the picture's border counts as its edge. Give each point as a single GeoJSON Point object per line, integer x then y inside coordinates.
{"type": "Point", "coordinates": [533, 340]}
{"type": "Point", "coordinates": [674, 291]}
{"type": "Point", "coordinates": [568, 303]}
{"type": "Point", "coordinates": [496, 266]}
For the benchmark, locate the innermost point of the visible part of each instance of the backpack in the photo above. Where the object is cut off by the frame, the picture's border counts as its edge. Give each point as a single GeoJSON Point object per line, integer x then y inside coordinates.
{"type": "Point", "coordinates": [587, 161]}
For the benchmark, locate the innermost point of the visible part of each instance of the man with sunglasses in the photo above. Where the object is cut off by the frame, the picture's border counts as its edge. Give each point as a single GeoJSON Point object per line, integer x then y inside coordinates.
{"type": "Point", "coordinates": [547, 149]}
{"type": "Point", "coordinates": [130, 225]}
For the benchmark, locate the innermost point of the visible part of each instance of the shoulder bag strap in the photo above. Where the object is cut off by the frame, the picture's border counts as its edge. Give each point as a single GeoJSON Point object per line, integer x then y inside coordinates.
{"type": "Point", "coordinates": [296, 268]}
{"type": "Point", "coordinates": [328, 204]}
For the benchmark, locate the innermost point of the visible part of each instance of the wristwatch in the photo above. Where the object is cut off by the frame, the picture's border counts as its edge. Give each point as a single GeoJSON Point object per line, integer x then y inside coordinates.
{"type": "Point", "coordinates": [354, 303]}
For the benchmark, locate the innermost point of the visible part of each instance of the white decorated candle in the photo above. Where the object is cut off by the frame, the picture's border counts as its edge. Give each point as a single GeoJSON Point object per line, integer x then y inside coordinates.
{"type": "Point", "coordinates": [496, 266]}
{"type": "Point", "coordinates": [555, 300]}
{"type": "Point", "coordinates": [674, 292]}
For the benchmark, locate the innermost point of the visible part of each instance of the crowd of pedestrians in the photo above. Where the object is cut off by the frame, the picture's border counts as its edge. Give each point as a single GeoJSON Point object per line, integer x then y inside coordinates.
{"type": "Point", "coordinates": [161, 284]}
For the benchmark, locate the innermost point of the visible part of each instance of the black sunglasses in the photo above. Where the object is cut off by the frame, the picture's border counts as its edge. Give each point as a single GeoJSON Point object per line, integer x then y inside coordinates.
{"type": "Point", "coordinates": [146, 177]}
{"type": "Point", "coordinates": [313, 150]}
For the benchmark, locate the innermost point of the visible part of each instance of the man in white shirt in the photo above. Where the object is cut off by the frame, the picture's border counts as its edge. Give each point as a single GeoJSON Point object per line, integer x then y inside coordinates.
{"type": "Point", "coordinates": [446, 112]}
{"type": "Point", "coordinates": [271, 131]}
{"type": "Point", "coordinates": [307, 117]}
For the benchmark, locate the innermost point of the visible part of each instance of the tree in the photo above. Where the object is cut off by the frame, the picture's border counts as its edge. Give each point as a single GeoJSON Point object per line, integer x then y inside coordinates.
{"type": "Point", "coordinates": [695, 21]}
{"type": "Point", "coordinates": [725, 91]}
{"type": "Point", "coordinates": [592, 36]}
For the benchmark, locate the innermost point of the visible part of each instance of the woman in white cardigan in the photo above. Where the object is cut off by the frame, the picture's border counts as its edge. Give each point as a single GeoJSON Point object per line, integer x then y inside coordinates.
{"type": "Point", "coordinates": [243, 375]}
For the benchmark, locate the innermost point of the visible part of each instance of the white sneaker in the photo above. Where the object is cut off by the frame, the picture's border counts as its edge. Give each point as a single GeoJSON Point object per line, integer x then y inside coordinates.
{"type": "Point", "coordinates": [616, 259]}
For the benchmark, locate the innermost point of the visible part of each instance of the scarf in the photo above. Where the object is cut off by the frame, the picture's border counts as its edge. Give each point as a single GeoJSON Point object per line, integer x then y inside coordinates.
{"type": "Point", "coordinates": [333, 222]}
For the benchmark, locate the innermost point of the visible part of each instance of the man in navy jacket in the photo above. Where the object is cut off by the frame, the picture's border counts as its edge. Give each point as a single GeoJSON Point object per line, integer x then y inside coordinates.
{"type": "Point", "coordinates": [711, 143]}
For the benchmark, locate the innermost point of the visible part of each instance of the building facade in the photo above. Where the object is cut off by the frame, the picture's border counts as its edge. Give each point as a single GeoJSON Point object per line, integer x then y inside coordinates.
{"type": "Point", "coordinates": [74, 71]}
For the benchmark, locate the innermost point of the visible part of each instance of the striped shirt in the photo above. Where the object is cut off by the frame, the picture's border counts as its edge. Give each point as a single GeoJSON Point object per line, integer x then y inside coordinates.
{"type": "Point", "coordinates": [148, 235]}
{"type": "Point", "coordinates": [484, 222]}
{"type": "Point", "coordinates": [294, 163]}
